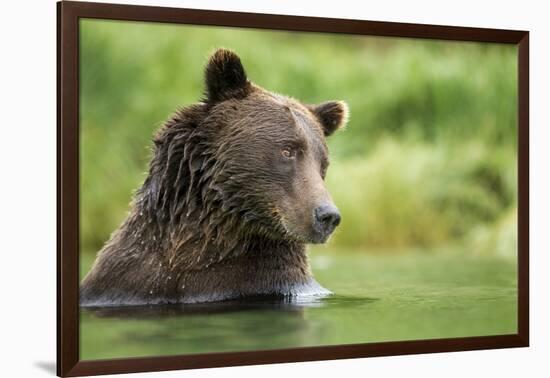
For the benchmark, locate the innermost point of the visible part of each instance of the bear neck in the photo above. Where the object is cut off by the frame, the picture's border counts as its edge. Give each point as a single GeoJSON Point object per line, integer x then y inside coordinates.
{"type": "Point", "coordinates": [180, 265]}
{"type": "Point", "coordinates": [191, 241]}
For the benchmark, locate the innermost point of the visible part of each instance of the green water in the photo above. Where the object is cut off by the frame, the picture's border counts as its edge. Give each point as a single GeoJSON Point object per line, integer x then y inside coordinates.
{"type": "Point", "coordinates": [377, 298]}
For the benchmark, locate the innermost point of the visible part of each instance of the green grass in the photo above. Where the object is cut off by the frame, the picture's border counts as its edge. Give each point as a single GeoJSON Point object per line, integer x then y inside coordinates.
{"type": "Point", "coordinates": [420, 194]}
{"type": "Point", "coordinates": [428, 157]}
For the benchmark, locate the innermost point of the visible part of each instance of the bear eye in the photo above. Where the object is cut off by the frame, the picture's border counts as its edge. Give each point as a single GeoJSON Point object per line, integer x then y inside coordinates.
{"type": "Point", "coordinates": [288, 153]}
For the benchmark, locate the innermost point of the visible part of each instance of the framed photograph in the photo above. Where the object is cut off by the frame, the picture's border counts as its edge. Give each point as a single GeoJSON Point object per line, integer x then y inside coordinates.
{"type": "Point", "coordinates": [238, 188]}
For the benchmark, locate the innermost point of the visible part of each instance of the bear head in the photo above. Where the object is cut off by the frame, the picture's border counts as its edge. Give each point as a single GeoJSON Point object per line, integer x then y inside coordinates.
{"type": "Point", "coordinates": [248, 161]}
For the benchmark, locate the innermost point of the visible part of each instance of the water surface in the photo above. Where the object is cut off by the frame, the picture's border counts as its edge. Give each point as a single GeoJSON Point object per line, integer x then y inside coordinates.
{"type": "Point", "coordinates": [376, 298]}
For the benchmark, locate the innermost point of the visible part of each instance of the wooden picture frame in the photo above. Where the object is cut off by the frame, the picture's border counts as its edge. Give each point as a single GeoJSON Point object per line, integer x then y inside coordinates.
{"type": "Point", "coordinates": [69, 13]}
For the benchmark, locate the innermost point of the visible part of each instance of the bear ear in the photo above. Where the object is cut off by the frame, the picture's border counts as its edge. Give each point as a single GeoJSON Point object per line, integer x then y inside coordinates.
{"type": "Point", "coordinates": [225, 77]}
{"type": "Point", "coordinates": [332, 115]}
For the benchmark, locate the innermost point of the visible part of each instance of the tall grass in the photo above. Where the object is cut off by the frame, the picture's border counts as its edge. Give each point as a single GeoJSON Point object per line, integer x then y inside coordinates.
{"type": "Point", "coordinates": [422, 194]}
{"type": "Point", "coordinates": [428, 156]}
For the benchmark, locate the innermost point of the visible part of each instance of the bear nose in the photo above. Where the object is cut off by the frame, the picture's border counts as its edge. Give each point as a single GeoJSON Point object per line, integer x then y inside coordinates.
{"type": "Point", "coordinates": [327, 216]}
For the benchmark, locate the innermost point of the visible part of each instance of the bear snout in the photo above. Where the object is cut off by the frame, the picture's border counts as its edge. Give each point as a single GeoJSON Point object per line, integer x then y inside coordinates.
{"type": "Point", "coordinates": [326, 218]}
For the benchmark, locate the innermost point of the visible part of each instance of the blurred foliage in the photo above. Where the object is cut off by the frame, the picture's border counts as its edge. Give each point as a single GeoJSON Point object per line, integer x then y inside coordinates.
{"type": "Point", "coordinates": [421, 194]}
{"type": "Point", "coordinates": [428, 157]}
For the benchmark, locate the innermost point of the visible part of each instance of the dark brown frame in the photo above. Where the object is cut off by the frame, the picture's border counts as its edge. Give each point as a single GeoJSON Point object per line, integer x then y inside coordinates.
{"type": "Point", "coordinates": [68, 15]}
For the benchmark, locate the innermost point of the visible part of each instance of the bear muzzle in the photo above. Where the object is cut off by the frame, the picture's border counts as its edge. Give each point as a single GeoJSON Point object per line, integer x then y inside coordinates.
{"type": "Point", "coordinates": [325, 219]}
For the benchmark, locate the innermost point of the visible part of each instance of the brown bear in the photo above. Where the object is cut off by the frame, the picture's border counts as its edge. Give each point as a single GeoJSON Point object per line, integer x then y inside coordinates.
{"type": "Point", "coordinates": [235, 190]}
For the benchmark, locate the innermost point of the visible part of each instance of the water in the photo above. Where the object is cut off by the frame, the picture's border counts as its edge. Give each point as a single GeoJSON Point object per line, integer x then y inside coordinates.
{"type": "Point", "coordinates": [377, 298]}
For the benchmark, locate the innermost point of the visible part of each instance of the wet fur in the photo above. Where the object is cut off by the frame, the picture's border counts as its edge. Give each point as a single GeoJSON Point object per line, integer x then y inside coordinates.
{"type": "Point", "coordinates": [195, 233]}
